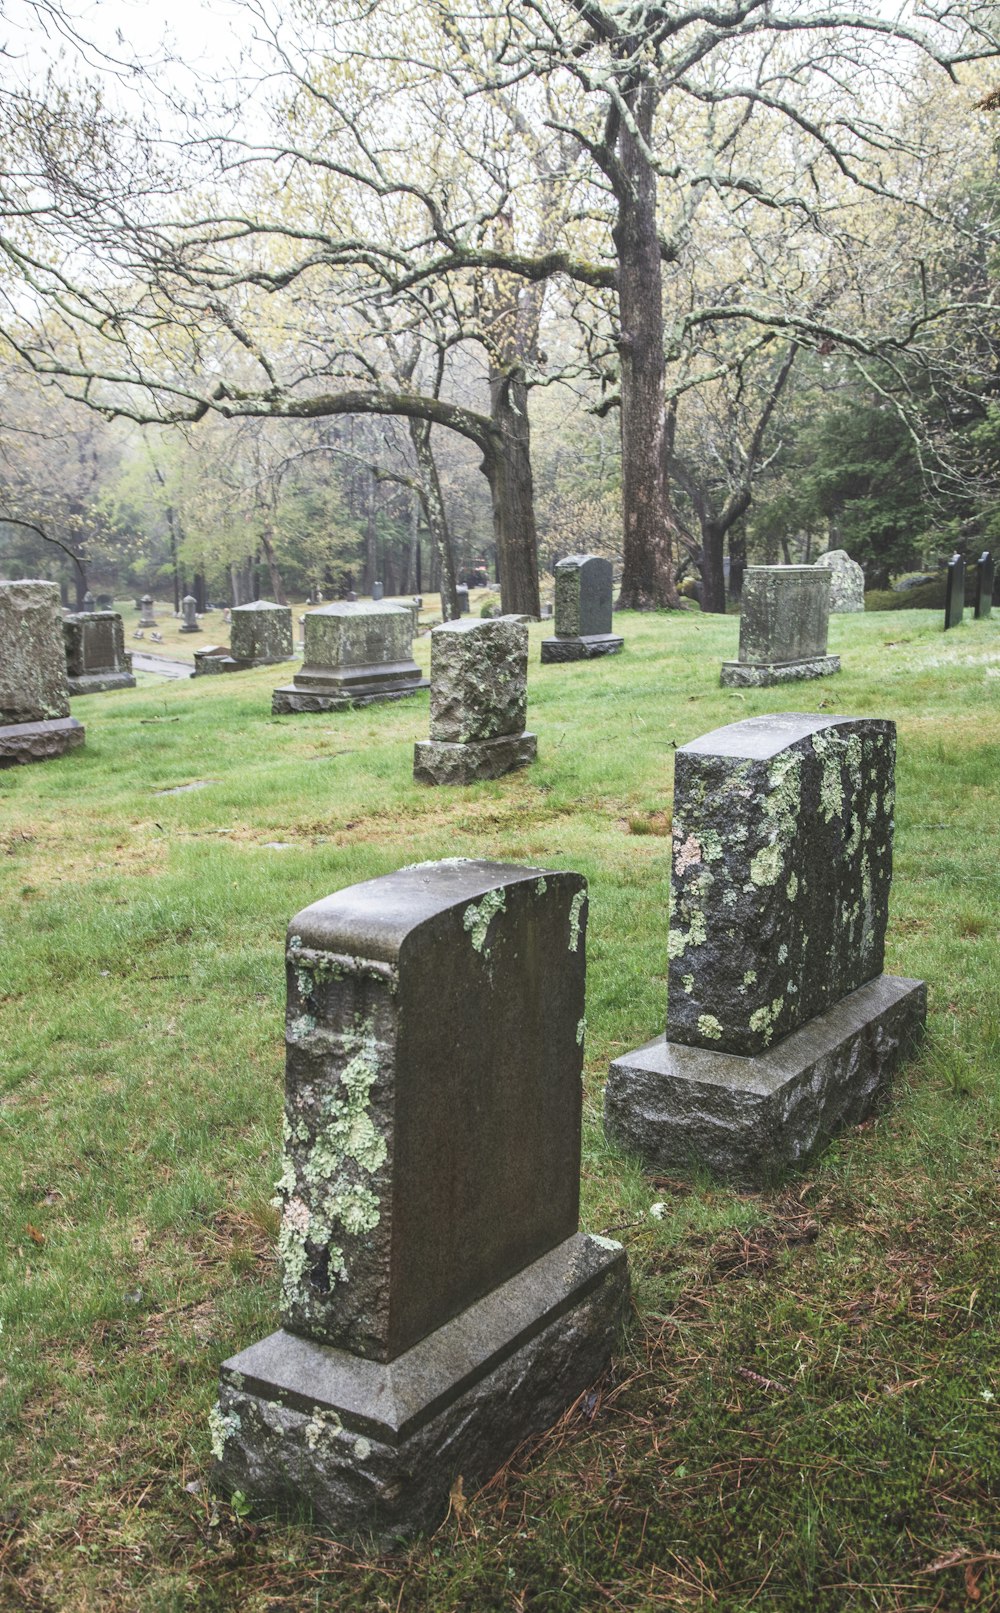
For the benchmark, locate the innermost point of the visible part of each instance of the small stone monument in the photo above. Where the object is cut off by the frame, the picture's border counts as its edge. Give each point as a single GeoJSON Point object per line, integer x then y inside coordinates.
{"type": "Point", "coordinates": [354, 654]}
{"type": "Point", "coordinates": [89, 602]}
{"type": "Point", "coordinates": [582, 610]}
{"type": "Point", "coordinates": [147, 616]}
{"type": "Point", "coordinates": [984, 585]}
{"type": "Point", "coordinates": [462, 596]}
{"type": "Point", "coordinates": [847, 581]}
{"type": "Point", "coordinates": [784, 622]}
{"type": "Point", "coordinates": [35, 723]}
{"type": "Point", "coordinates": [954, 603]}
{"type": "Point", "coordinates": [189, 611]}
{"type": "Point", "coordinates": [438, 1302]}
{"type": "Point", "coordinates": [96, 658]}
{"type": "Point", "coordinates": [479, 694]}
{"type": "Point", "coordinates": [781, 1027]}
{"type": "Point", "coordinates": [377, 592]}
{"type": "Point", "coordinates": [260, 635]}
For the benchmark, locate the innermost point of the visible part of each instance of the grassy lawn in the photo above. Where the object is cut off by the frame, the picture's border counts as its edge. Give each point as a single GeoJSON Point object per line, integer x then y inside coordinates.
{"type": "Point", "coordinates": [805, 1412]}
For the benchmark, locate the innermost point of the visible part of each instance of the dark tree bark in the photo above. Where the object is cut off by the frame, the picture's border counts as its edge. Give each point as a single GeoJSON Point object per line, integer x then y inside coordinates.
{"type": "Point", "coordinates": [508, 470]}
{"type": "Point", "coordinates": [277, 586]}
{"type": "Point", "coordinates": [436, 517]}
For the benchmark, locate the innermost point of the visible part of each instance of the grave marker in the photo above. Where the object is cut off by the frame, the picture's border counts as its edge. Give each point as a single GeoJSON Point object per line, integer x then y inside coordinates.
{"type": "Point", "coordinates": [954, 604]}
{"type": "Point", "coordinates": [784, 623]}
{"type": "Point", "coordinates": [847, 581]}
{"type": "Point", "coordinates": [35, 723]}
{"type": "Point", "coordinates": [96, 658]}
{"type": "Point", "coordinates": [984, 585]}
{"type": "Point", "coordinates": [584, 585]}
{"type": "Point", "coordinates": [479, 692]}
{"type": "Point", "coordinates": [354, 655]}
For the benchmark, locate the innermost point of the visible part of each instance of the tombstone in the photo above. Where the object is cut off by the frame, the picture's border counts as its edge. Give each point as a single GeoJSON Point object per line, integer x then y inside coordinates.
{"type": "Point", "coordinates": [377, 592]}
{"type": "Point", "coordinates": [210, 660]}
{"type": "Point", "coordinates": [35, 723]}
{"type": "Point", "coordinates": [354, 655]}
{"type": "Point", "coordinates": [582, 611]}
{"type": "Point", "coordinates": [261, 633]}
{"type": "Point", "coordinates": [148, 616]}
{"type": "Point", "coordinates": [105, 601]}
{"type": "Point", "coordinates": [546, 612]}
{"type": "Point", "coordinates": [351, 597]}
{"type": "Point", "coordinates": [89, 601]}
{"type": "Point", "coordinates": [189, 611]}
{"type": "Point", "coordinates": [954, 605]}
{"type": "Point", "coordinates": [781, 1027]}
{"type": "Point", "coordinates": [479, 693]}
{"type": "Point", "coordinates": [302, 629]}
{"type": "Point", "coordinates": [462, 596]}
{"type": "Point", "coordinates": [418, 600]}
{"type": "Point", "coordinates": [984, 585]}
{"type": "Point", "coordinates": [784, 621]}
{"type": "Point", "coordinates": [847, 581]}
{"type": "Point", "coordinates": [96, 658]}
{"type": "Point", "coordinates": [438, 1303]}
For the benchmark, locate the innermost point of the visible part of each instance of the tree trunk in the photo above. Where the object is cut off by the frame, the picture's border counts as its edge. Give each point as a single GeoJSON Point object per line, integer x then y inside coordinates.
{"type": "Point", "coordinates": [277, 586]}
{"type": "Point", "coordinates": [508, 471]}
{"type": "Point", "coordinates": [737, 561]}
{"type": "Point", "coordinates": [434, 511]}
{"type": "Point", "coordinates": [713, 580]}
{"type": "Point", "coordinates": [371, 541]}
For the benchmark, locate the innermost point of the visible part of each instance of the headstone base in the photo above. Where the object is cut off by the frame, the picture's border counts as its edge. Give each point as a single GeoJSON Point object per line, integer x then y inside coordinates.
{"type": "Point", "coordinates": [748, 1120]}
{"type": "Point", "coordinates": [581, 649]}
{"type": "Point", "coordinates": [184, 628]}
{"type": "Point", "coordinates": [374, 1448]}
{"type": "Point", "coordinates": [39, 741]}
{"type": "Point", "coordinates": [291, 697]}
{"type": "Point", "coordinates": [439, 761]}
{"type": "Point", "coordinates": [761, 674]}
{"type": "Point", "coordinates": [209, 661]}
{"type": "Point", "coordinates": [98, 682]}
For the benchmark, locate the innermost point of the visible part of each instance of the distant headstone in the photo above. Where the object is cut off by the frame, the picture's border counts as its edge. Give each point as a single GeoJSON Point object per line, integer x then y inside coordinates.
{"type": "Point", "coordinates": [35, 723]}
{"type": "Point", "coordinates": [479, 693]}
{"type": "Point", "coordinates": [954, 604]}
{"type": "Point", "coordinates": [377, 591]}
{"type": "Point", "coordinates": [189, 611]}
{"type": "Point", "coordinates": [148, 615]}
{"type": "Point", "coordinates": [546, 612]}
{"type": "Point", "coordinates": [438, 1303]}
{"type": "Point", "coordinates": [105, 601]}
{"type": "Point", "coordinates": [784, 623]}
{"type": "Point", "coordinates": [210, 660]}
{"type": "Point", "coordinates": [418, 600]}
{"type": "Point", "coordinates": [781, 1027]}
{"type": "Point", "coordinates": [462, 595]}
{"type": "Point", "coordinates": [354, 654]}
{"type": "Point", "coordinates": [350, 596]}
{"type": "Point", "coordinates": [847, 581]}
{"type": "Point", "coordinates": [96, 658]}
{"type": "Point", "coordinates": [984, 584]}
{"type": "Point", "coordinates": [89, 602]}
{"type": "Point", "coordinates": [584, 586]}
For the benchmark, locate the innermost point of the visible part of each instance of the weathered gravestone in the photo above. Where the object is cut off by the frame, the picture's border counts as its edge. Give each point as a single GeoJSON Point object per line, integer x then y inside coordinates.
{"type": "Point", "coordinates": [847, 581]}
{"type": "Point", "coordinates": [211, 659]}
{"type": "Point", "coordinates": [438, 1302]}
{"type": "Point", "coordinates": [784, 623]}
{"type": "Point", "coordinates": [35, 723]}
{"type": "Point", "coordinates": [584, 586]}
{"type": "Point", "coordinates": [147, 616]}
{"type": "Point", "coordinates": [260, 635]}
{"type": "Point", "coordinates": [354, 654]}
{"type": "Point", "coordinates": [462, 595]}
{"type": "Point", "coordinates": [96, 658]}
{"type": "Point", "coordinates": [954, 599]}
{"type": "Point", "coordinates": [189, 611]}
{"type": "Point", "coordinates": [781, 1027]}
{"type": "Point", "coordinates": [377, 592]}
{"type": "Point", "coordinates": [984, 584]}
{"type": "Point", "coordinates": [89, 601]}
{"type": "Point", "coordinates": [479, 695]}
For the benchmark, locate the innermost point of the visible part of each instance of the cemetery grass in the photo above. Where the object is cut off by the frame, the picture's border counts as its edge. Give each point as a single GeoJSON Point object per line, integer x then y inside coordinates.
{"type": "Point", "coordinates": [804, 1411]}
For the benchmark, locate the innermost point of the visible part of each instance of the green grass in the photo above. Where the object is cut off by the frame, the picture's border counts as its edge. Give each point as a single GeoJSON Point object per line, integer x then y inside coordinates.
{"type": "Point", "coordinates": [802, 1415]}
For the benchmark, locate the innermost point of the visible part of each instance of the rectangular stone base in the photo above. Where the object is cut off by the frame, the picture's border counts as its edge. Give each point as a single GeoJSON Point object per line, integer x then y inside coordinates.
{"type": "Point", "coordinates": [205, 663]}
{"type": "Point", "coordinates": [581, 649]}
{"type": "Point", "coordinates": [99, 682]}
{"type": "Point", "coordinates": [373, 1448]}
{"type": "Point", "coordinates": [760, 674]}
{"type": "Point", "coordinates": [292, 697]}
{"type": "Point", "coordinates": [438, 761]}
{"type": "Point", "coordinates": [39, 741]}
{"type": "Point", "coordinates": [748, 1120]}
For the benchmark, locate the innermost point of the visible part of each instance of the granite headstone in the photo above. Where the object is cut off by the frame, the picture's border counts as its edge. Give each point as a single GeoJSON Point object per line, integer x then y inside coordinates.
{"type": "Point", "coordinates": [35, 723]}
{"type": "Point", "coordinates": [847, 581]}
{"type": "Point", "coordinates": [954, 602]}
{"type": "Point", "coordinates": [479, 692]}
{"type": "Point", "coordinates": [984, 585]}
{"type": "Point", "coordinates": [584, 586]}
{"type": "Point", "coordinates": [354, 655]}
{"type": "Point", "coordinates": [96, 658]}
{"type": "Point", "coordinates": [784, 625]}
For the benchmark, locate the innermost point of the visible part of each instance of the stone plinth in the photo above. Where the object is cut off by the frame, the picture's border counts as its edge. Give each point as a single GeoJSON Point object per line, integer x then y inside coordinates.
{"type": "Point", "coordinates": [96, 658]}
{"type": "Point", "coordinates": [438, 1301]}
{"type": "Point", "coordinates": [782, 860]}
{"type": "Point", "coordinates": [954, 605]}
{"type": "Point", "coordinates": [261, 633]}
{"type": "Point", "coordinates": [354, 654]}
{"type": "Point", "coordinates": [39, 741]}
{"type": "Point", "coordinates": [582, 611]}
{"type": "Point", "coordinates": [479, 694]}
{"type": "Point", "coordinates": [35, 723]}
{"type": "Point", "coordinates": [984, 585]}
{"type": "Point", "coordinates": [784, 623]}
{"type": "Point", "coordinates": [847, 581]}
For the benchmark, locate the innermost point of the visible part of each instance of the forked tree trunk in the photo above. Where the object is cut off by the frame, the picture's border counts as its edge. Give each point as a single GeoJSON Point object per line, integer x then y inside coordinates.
{"type": "Point", "coordinates": [507, 465]}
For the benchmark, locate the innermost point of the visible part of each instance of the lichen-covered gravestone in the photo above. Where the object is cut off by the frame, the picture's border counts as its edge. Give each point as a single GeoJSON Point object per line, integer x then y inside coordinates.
{"type": "Point", "coordinates": [479, 694]}
{"type": "Point", "coordinates": [781, 1026]}
{"type": "Point", "coordinates": [96, 658]}
{"type": "Point", "coordinates": [189, 611]}
{"type": "Point", "coordinates": [438, 1301]}
{"type": "Point", "coordinates": [847, 581]}
{"type": "Point", "coordinates": [954, 603]}
{"type": "Point", "coordinates": [462, 596]}
{"type": "Point", "coordinates": [984, 585]}
{"type": "Point", "coordinates": [260, 635]}
{"type": "Point", "coordinates": [35, 723]}
{"type": "Point", "coordinates": [784, 624]}
{"type": "Point", "coordinates": [354, 654]}
{"type": "Point", "coordinates": [582, 610]}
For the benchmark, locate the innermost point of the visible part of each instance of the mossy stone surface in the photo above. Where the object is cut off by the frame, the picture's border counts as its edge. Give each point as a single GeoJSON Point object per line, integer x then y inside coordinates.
{"type": "Point", "coordinates": [784, 614]}
{"type": "Point", "coordinates": [33, 686]}
{"type": "Point", "coordinates": [261, 632]}
{"type": "Point", "coordinates": [479, 679]}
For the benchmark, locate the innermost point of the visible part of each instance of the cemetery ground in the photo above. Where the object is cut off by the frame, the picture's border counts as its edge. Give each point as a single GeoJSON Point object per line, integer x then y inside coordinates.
{"type": "Point", "coordinates": [804, 1413]}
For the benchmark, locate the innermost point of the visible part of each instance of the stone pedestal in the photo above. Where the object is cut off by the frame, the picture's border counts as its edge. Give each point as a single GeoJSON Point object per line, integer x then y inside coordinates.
{"type": "Point", "coordinates": [784, 624]}
{"type": "Point", "coordinates": [354, 655]}
{"type": "Point", "coordinates": [147, 615]}
{"type": "Point", "coordinates": [583, 591]}
{"type": "Point", "coordinates": [479, 692]}
{"type": "Point", "coordinates": [438, 1301]}
{"type": "Point", "coordinates": [96, 658]}
{"type": "Point", "coordinates": [35, 723]}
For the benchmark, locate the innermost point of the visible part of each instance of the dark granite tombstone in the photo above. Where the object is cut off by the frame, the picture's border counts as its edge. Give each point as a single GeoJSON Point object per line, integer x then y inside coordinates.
{"type": "Point", "coordinates": [479, 692]}
{"type": "Point", "coordinates": [354, 654]}
{"type": "Point", "coordinates": [189, 611]}
{"type": "Point", "coordinates": [784, 624]}
{"type": "Point", "coordinates": [35, 723]}
{"type": "Point", "coordinates": [984, 585]}
{"type": "Point", "coordinates": [954, 604]}
{"type": "Point", "coordinates": [584, 585]}
{"type": "Point", "coordinates": [462, 595]}
{"type": "Point", "coordinates": [96, 658]}
{"type": "Point", "coordinates": [438, 1302]}
{"type": "Point", "coordinates": [377, 592]}
{"type": "Point", "coordinates": [105, 601]}
{"type": "Point", "coordinates": [781, 1027]}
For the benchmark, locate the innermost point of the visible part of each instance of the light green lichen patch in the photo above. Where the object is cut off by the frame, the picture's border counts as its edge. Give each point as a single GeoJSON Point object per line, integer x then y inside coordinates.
{"type": "Point", "coordinates": [575, 909]}
{"type": "Point", "coordinates": [709, 1027]}
{"type": "Point", "coordinates": [324, 1425]}
{"type": "Point", "coordinates": [362, 1449]}
{"type": "Point", "coordinates": [301, 1026]}
{"type": "Point", "coordinates": [750, 978]}
{"type": "Point", "coordinates": [477, 916]}
{"type": "Point", "coordinates": [792, 888]}
{"type": "Point", "coordinates": [603, 1243]}
{"type": "Point", "coordinates": [763, 1020]}
{"type": "Point", "coordinates": [222, 1425]}
{"type": "Point", "coordinates": [540, 887]}
{"type": "Point", "coordinates": [581, 1031]}
{"type": "Point", "coordinates": [766, 865]}
{"type": "Point", "coordinates": [679, 940]}
{"type": "Point", "coordinates": [687, 981]}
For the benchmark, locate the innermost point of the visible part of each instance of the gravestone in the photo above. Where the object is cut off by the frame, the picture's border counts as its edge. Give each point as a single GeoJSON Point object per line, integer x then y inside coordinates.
{"type": "Point", "coordinates": [984, 585]}
{"type": "Point", "coordinates": [781, 1026]}
{"type": "Point", "coordinates": [847, 581]}
{"type": "Point", "coordinates": [260, 635]}
{"type": "Point", "coordinates": [479, 694]}
{"type": "Point", "coordinates": [354, 654]}
{"type": "Point", "coordinates": [462, 595]}
{"type": "Point", "coordinates": [147, 617]}
{"type": "Point", "coordinates": [377, 592]}
{"type": "Point", "coordinates": [210, 659]}
{"type": "Point", "coordinates": [438, 1303]}
{"type": "Point", "coordinates": [89, 602]}
{"type": "Point", "coordinates": [105, 601]}
{"type": "Point", "coordinates": [954, 604]}
{"type": "Point", "coordinates": [96, 658]}
{"type": "Point", "coordinates": [584, 585]}
{"type": "Point", "coordinates": [189, 611]}
{"type": "Point", "coordinates": [784, 622]}
{"type": "Point", "coordinates": [35, 723]}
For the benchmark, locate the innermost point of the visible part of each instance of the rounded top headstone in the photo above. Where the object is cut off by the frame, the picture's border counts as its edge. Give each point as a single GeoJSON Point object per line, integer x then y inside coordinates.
{"type": "Point", "coordinates": [847, 581]}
